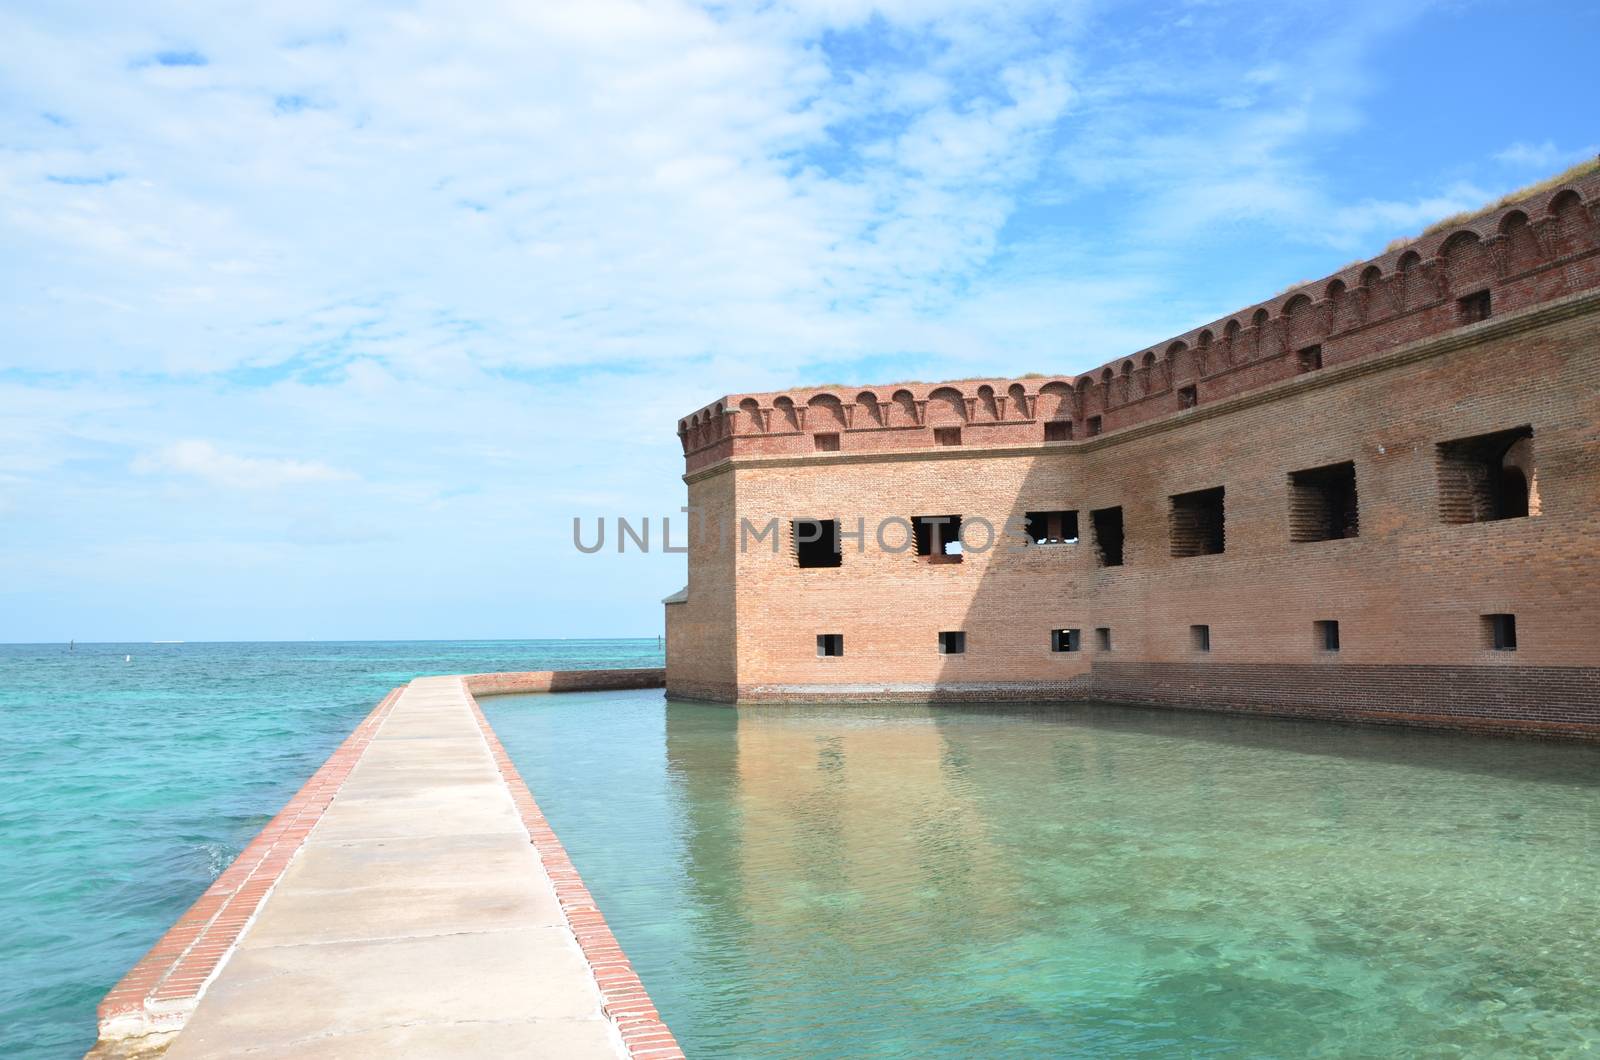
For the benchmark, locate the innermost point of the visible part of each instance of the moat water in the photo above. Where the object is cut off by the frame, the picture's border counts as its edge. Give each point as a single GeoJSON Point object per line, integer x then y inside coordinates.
{"type": "Point", "coordinates": [126, 787]}
{"type": "Point", "coordinates": [885, 881]}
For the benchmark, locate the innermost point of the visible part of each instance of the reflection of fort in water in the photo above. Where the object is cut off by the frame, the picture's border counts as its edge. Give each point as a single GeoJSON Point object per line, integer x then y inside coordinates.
{"type": "Point", "coordinates": [904, 815]}
{"type": "Point", "coordinates": [845, 800]}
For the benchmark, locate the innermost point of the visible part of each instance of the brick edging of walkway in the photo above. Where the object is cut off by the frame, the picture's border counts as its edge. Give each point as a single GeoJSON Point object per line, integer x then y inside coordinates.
{"type": "Point", "coordinates": [622, 996]}
{"type": "Point", "coordinates": [609, 680]}
{"type": "Point", "coordinates": [159, 993]}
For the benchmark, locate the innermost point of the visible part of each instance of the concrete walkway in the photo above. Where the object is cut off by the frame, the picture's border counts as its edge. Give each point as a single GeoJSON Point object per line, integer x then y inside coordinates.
{"type": "Point", "coordinates": [417, 919]}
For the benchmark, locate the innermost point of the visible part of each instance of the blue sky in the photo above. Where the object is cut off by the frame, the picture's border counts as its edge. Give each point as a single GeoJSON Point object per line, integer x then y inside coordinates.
{"type": "Point", "coordinates": [324, 320]}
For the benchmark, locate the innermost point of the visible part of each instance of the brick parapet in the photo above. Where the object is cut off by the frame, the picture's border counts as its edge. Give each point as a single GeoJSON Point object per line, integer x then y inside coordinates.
{"type": "Point", "coordinates": [1555, 311]}
{"type": "Point", "coordinates": [1539, 248]}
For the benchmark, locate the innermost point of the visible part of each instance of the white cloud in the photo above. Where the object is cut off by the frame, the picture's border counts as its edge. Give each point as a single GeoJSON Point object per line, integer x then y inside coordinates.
{"type": "Point", "coordinates": [479, 266]}
{"type": "Point", "coordinates": [1359, 224]}
{"type": "Point", "coordinates": [627, 182]}
{"type": "Point", "coordinates": [1544, 156]}
{"type": "Point", "coordinates": [536, 185]}
{"type": "Point", "coordinates": [202, 460]}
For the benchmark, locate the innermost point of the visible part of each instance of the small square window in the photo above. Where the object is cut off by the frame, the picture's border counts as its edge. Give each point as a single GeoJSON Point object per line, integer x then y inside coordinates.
{"type": "Point", "coordinates": [1094, 426]}
{"type": "Point", "coordinates": [1475, 307]}
{"type": "Point", "coordinates": [1487, 477]}
{"type": "Point", "coordinates": [1188, 397]}
{"type": "Point", "coordinates": [1322, 503]}
{"type": "Point", "coordinates": [1327, 634]}
{"type": "Point", "coordinates": [816, 542]}
{"type": "Point", "coordinates": [1502, 631]}
{"type": "Point", "coordinates": [1197, 523]}
{"type": "Point", "coordinates": [1102, 638]}
{"type": "Point", "coordinates": [947, 436]}
{"type": "Point", "coordinates": [1309, 359]}
{"type": "Point", "coordinates": [826, 443]}
{"type": "Point", "coordinates": [1058, 431]}
{"type": "Point", "coordinates": [937, 538]}
{"type": "Point", "coordinates": [830, 645]}
{"type": "Point", "coordinates": [1200, 638]}
{"type": "Point", "coordinates": [952, 642]}
{"type": "Point", "coordinates": [1052, 528]}
{"type": "Point", "coordinates": [1064, 640]}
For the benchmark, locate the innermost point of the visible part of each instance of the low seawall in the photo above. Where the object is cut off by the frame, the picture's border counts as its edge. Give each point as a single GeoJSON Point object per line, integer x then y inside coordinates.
{"type": "Point", "coordinates": [564, 681]}
{"type": "Point", "coordinates": [1552, 702]}
{"type": "Point", "coordinates": [157, 996]}
{"type": "Point", "coordinates": [415, 860]}
{"type": "Point", "coordinates": [1548, 702]}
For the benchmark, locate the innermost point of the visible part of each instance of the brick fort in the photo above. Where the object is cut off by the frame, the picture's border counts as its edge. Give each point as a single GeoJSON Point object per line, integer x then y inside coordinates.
{"type": "Point", "coordinates": [1375, 497]}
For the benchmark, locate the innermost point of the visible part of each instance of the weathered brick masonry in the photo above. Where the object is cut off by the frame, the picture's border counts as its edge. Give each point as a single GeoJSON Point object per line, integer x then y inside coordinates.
{"type": "Point", "coordinates": [1412, 394]}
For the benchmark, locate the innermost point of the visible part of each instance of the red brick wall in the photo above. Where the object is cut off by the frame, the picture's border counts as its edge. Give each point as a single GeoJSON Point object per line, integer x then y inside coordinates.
{"type": "Point", "coordinates": [1408, 592]}
{"type": "Point", "coordinates": [701, 634]}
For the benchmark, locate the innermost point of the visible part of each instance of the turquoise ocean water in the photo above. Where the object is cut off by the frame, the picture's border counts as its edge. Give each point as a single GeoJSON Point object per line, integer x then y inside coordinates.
{"type": "Point", "coordinates": [126, 787]}
{"type": "Point", "coordinates": [913, 882]}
